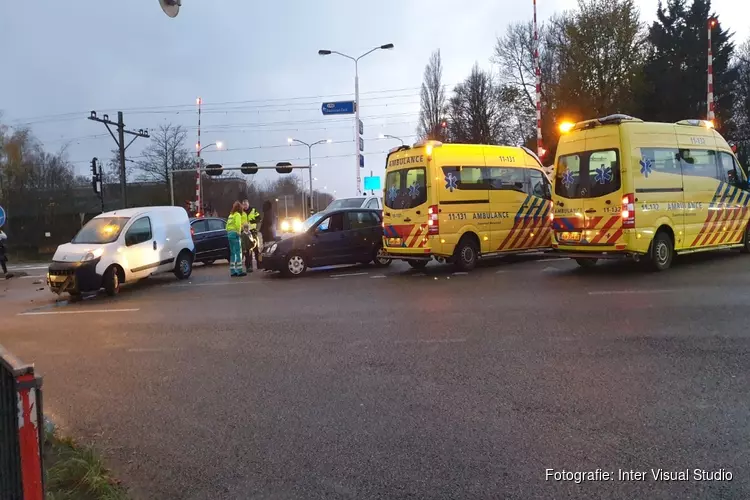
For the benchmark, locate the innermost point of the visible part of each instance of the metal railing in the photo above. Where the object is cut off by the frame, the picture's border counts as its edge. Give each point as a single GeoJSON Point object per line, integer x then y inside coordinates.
{"type": "Point", "coordinates": [21, 430]}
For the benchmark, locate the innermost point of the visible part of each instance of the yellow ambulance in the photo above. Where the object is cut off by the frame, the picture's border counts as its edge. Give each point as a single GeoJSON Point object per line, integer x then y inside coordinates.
{"type": "Point", "coordinates": [461, 202]}
{"type": "Point", "coordinates": [625, 188]}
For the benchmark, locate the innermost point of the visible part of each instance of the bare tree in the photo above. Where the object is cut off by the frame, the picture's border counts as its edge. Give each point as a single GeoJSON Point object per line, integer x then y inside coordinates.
{"type": "Point", "coordinates": [166, 152]}
{"type": "Point", "coordinates": [474, 110]}
{"type": "Point", "coordinates": [432, 101]}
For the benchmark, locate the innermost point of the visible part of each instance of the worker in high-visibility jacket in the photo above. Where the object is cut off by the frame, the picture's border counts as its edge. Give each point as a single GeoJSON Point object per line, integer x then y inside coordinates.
{"type": "Point", "coordinates": [250, 243]}
{"type": "Point", "coordinates": [234, 229]}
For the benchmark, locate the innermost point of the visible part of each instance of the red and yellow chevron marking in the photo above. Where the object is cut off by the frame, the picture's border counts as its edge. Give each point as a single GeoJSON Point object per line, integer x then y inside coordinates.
{"type": "Point", "coordinates": [532, 220]}
{"type": "Point", "coordinates": [713, 233]}
{"type": "Point", "coordinates": [610, 230]}
{"type": "Point", "coordinates": [417, 236]}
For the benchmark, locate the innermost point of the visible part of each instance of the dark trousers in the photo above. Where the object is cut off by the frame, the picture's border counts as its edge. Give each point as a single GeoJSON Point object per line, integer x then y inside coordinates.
{"type": "Point", "coordinates": [249, 258]}
{"type": "Point", "coordinates": [5, 268]}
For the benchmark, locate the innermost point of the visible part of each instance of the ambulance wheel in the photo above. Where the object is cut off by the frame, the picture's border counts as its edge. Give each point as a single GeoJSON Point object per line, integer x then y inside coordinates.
{"type": "Point", "coordinates": [111, 281]}
{"type": "Point", "coordinates": [746, 243]}
{"type": "Point", "coordinates": [662, 252]}
{"type": "Point", "coordinates": [586, 263]}
{"type": "Point", "coordinates": [294, 265]}
{"type": "Point", "coordinates": [466, 254]}
{"type": "Point", "coordinates": [417, 264]}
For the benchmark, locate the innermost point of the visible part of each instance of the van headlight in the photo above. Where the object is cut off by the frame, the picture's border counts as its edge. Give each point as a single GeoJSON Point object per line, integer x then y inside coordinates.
{"type": "Point", "coordinates": [273, 248]}
{"type": "Point", "coordinates": [94, 254]}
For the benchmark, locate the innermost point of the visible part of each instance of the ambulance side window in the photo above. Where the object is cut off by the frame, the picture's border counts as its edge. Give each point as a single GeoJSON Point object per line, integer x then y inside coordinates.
{"type": "Point", "coordinates": [729, 171]}
{"type": "Point", "coordinates": [699, 163]}
{"type": "Point", "coordinates": [665, 160]}
{"type": "Point", "coordinates": [507, 178]}
{"type": "Point", "coordinates": [539, 185]}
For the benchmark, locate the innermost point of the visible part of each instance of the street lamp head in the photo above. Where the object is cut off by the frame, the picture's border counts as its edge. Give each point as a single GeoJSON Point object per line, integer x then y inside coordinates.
{"type": "Point", "coordinates": [381, 136]}
{"type": "Point", "coordinates": [328, 141]}
{"type": "Point", "coordinates": [289, 140]}
{"type": "Point", "coordinates": [387, 46]}
{"type": "Point", "coordinates": [197, 145]}
{"type": "Point", "coordinates": [712, 22]}
{"type": "Point", "coordinates": [219, 145]}
{"type": "Point", "coordinates": [323, 52]}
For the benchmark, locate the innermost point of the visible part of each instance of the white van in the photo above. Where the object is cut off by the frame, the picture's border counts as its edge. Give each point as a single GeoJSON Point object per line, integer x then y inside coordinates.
{"type": "Point", "coordinates": [373, 202]}
{"type": "Point", "coordinates": [121, 247]}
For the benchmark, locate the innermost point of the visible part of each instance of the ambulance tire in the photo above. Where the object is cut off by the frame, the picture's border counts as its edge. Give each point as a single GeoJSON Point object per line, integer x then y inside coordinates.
{"type": "Point", "coordinates": [586, 263]}
{"type": "Point", "coordinates": [466, 254]}
{"type": "Point", "coordinates": [417, 264]}
{"type": "Point", "coordinates": [662, 252]}
{"type": "Point", "coordinates": [746, 242]}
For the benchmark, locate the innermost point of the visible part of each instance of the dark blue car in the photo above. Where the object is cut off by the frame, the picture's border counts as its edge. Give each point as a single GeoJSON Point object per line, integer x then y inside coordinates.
{"type": "Point", "coordinates": [210, 238]}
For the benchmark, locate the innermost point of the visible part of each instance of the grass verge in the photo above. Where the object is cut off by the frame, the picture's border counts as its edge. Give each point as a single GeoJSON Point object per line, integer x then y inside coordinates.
{"type": "Point", "coordinates": [75, 472]}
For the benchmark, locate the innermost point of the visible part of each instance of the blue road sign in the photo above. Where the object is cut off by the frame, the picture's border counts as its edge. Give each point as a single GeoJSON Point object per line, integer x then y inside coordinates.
{"type": "Point", "coordinates": [372, 183]}
{"type": "Point", "coordinates": [338, 108]}
{"type": "Point", "coordinates": [2, 216]}
{"type": "Point", "coordinates": [361, 144]}
{"type": "Point", "coordinates": [361, 128]}
{"type": "Point", "coordinates": [361, 161]}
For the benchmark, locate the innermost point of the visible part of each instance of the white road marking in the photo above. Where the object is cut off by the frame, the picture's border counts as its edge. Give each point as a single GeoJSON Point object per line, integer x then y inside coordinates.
{"type": "Point", "coordinates": [151, 349]}
{"type": "Point", "coordinates": [431, 341]}
{"type": "Point", "coordinates": [459, 273]}
{"type": "Point", "coordinates": [31, 277]}
{"type": "Point", "coordinates": [549, 269]}
{"type": "Point", "coordinates": [89, 311]}
{"type": "Point", "coordinates": [26, 268]}
{"type": "Point", "coordinates": [216, 284]}
{"type": "Point", "coordinates": [501, 271]}
{"type": "Point", "coordinates": [347, 274]}
{"type": "Point", "coordinates": [627, 292]}
{"type": "Point", "coordinates": [378, 276]}
{"type": "Point", "coordinates": [550, 260]}
{"type": "Point", "coordinates": [419, 274]}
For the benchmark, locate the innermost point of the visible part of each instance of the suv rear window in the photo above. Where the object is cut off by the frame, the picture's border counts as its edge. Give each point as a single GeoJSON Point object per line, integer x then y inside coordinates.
{"type": "Point", "coordinates": [588, 174]}
{"type": "Point", "coordinates": [406, 188]}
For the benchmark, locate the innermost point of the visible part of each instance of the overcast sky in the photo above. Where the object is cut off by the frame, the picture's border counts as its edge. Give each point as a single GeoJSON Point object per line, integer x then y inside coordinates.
{"type": "Point", "coordinates": [256, 67]}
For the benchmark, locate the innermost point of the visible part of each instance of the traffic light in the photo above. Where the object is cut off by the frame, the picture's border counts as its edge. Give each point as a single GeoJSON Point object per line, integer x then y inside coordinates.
{"type": "Point", "coordinates": [249, 168]}
{"type": "Point", "coordinates": [284, 167]}
{"type": "Point", "coordinates": [214, 169]}
{"type": "Point", "coordinates": [96, 176]}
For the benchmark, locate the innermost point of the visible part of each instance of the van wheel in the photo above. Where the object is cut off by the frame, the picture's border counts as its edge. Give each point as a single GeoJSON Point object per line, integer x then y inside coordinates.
{"type": "Point", "coordinates": [466, 255]}
{"type": "Point", "coordinates": [183, 268]}
{"type": "Point", "coordinates": [295, 265]}
{"type": "Point", "coordinates": [111, 281]}
{"type": "Point", "coordinates": [662, 252]}
{"type": "Point", "coordinates": [417, 264]}
{"type": "Point", "coordinates": [586, 263]}
{"type": "Point", "coordinates": [746, 243]}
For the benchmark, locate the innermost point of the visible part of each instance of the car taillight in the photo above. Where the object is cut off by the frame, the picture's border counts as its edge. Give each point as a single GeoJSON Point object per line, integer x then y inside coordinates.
{"type": "Point", "coordinates": [433, 221]}
{"type": "Point", "coordinates": [628, 211]}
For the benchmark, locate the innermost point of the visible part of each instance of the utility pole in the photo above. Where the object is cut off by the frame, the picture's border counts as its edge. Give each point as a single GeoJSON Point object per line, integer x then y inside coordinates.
{"type": "Point", "coordinates": [120, 141]}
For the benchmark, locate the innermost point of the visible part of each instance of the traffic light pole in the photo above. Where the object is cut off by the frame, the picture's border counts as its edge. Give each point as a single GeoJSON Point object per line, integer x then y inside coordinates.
{"type": "Point", "coordinates": [120, 141]}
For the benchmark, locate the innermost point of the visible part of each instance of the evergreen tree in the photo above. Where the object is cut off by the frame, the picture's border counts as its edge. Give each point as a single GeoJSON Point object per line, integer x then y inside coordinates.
{"type": "Point", "coordinates": [677, 68]}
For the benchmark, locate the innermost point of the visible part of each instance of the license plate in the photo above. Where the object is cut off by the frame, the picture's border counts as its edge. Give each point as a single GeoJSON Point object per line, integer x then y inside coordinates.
{"type": "Point", "coordinates": [566, 236]}
{"type": "Point", "coordinates": [394, 242]}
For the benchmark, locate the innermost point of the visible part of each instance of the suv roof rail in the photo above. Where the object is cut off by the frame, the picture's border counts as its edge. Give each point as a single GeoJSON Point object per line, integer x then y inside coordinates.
{"type": "Point", "coordinates": [696, 123]}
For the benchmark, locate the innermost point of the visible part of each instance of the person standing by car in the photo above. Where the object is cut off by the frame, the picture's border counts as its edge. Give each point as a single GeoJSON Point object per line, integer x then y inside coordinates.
{"type": "Point", "coordinates": [266, 224]}
{"type": "Point", "coordinates": [250, 244]}
{"type": "Point", "coordinates": [3, 256]}
{"type": "Point", "coordinates": [234, 228]}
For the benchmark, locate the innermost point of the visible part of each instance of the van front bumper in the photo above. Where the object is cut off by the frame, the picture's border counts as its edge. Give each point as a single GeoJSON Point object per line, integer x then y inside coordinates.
{"type": "Point", "coordinates": [74, 277]}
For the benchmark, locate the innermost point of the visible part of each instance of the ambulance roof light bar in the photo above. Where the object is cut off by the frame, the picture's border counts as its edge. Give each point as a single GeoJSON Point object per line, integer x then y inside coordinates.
{"type": "Point", "coordinates": [615, 119]}
{"type": "Point", "coordinates": [697, 123]}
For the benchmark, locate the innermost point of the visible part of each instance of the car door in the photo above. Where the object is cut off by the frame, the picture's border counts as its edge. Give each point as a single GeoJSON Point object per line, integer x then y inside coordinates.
{"type": "Point", "coordinates": [218, 240]}
{"type": "Point", "coordinates": [141, 254]}
{"type": "Point", "coordinates": [363, 233]}
{"type": "Point", "coordinates": [329, 245]}
{"type": "Point", "coordinates": [199, 230]}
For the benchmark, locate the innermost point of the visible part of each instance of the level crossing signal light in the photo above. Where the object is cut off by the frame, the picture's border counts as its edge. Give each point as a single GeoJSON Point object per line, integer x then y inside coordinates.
{"type": "Point", "coordinates": [96, 176]}
{"type": "Point", "coordinates": [214, 169]}
{"type": "Point", "coordinates": [249, 168]}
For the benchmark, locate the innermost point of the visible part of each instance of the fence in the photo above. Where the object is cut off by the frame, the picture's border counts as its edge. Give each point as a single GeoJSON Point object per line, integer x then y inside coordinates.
{"type": "Point", "coordinates": [21, 430]}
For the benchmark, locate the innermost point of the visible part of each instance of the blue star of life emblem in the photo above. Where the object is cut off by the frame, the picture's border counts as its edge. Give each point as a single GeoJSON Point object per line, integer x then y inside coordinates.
{"type": "Point", "coordinates": [414, 190]}
{"type": "Point", "coordinates": [451, 182]}
{"type": "Point", "coordinates": [603, 175]}
{"type": "Point", "coordinates": [646, 166]}
{"type": "Point", "coordinates": [392, 193]}
{"type": "Point", "coordinates": [567, 178]}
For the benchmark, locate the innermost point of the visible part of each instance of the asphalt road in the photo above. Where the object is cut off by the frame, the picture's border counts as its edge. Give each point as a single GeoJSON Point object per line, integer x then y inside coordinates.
{"type": "Point", "coordinates": [366, 383]}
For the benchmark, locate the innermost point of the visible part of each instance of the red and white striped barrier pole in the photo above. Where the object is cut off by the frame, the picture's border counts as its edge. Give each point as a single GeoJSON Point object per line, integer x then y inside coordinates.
{"type": "Point", "coordinates": [28, 437]}
{"type": "Point", "coordinates": [198, 207]}
{"type": "Point", "coordinates": [710, 96]}
{"type": "Point", "coordinates": [538, 70]}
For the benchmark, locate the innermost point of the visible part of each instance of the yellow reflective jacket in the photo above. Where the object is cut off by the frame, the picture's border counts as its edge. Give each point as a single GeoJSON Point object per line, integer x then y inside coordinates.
{"type": "Point", "coordinates": [250, 218]}
{"type": "Point", "coordinates": [234, 223]}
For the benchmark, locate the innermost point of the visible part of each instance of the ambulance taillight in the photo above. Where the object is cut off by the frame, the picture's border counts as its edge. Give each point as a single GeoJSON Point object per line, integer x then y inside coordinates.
{"type": "Point", "coordinates": [433, 222]}
{"type": "Point", "coordinates": [628, 211]}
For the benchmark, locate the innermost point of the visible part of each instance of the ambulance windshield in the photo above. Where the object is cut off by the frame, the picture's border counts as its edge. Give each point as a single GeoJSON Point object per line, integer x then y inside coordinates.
{"type": "Point", "coordinates": [406, 188]}
{"type": "Point", "coordinates": [588, 174]}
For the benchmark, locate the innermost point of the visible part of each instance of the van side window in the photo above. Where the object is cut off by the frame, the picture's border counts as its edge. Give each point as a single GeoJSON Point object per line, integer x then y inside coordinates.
{"type": "Point", "coordinates": [139, 232]}
{"type": "Point", "coordinates": [729, 171]}
{"type": "Point", "coordinates": [508, 178]}
{"type": "Point", "coordinates": [699, 163]}
{"type": "Point", "coordinates": [666, 160]}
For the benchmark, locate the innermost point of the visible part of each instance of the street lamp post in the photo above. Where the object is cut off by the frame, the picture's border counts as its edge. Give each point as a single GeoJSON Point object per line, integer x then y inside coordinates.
{"type": "Point", "coordinates": [388, 136]}
{"type": "Point", "coordinates": [387, 46]}
{"type": "Point", "coordinates": [309, 161]}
